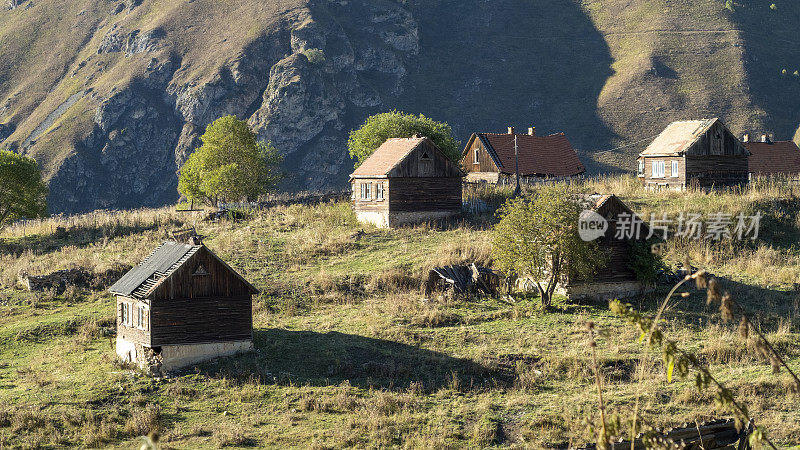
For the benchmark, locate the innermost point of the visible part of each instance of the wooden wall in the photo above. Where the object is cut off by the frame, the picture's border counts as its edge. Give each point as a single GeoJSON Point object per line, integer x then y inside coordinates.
{"type": "Point", "coordinates": [425, 194]}
{"type": "Point", "coordinates": [668, 179]}
{"type": "Point", "coordinates": [199, 320]}
{"type": "Point", "coordinates": [191, 308]}
{"type": "Point", "coordinates": [373, 204]}
{"type": "Point", "coordinates": [183, 283]}
{"type": "Point", "coordinates": [707, 171]}
{"type": "Point", "coordinates": [132, 333]}
{"type": "Point", "coordinates": [425, 161]}
{"type": "Point", "coordinates": [485, 164]}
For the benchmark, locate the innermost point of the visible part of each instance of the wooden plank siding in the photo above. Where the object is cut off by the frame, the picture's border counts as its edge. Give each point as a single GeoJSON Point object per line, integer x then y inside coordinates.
{"type": "Point", "coordinates": [425, 194]}
{"type": "Point", "coordinates": [133, 333]}
{"type": "Point", "coordinates": [201, 320]}
{"type": "Point", "coordinates": [485, 161]}
{"type": "Point", "coordinates": [708, 171]}
{"type": "Point", "coordinates": [220, 281]}
{"type": "Point", "coordinates": [668, 178]}
{"type": "Point", "coordinates": [373, 204]}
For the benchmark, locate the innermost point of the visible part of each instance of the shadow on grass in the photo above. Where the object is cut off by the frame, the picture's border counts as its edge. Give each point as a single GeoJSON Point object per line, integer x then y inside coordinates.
{"type": "Point", "coordinates": [766, 306]}
{"type": "Point", "coordinates": [322, 359]}
{"type": "Point", "coordinates": [74, 236]}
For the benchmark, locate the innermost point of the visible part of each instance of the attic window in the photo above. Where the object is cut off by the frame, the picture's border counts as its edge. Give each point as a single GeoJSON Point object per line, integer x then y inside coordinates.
{"type": "Point", "coordinates": [200, 271]}
{"type": "Point", "coordinates": [425, 156]}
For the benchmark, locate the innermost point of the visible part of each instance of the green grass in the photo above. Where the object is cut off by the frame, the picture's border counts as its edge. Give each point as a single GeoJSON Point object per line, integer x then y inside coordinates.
{"type": "Point", "coordinates": [348, 354]}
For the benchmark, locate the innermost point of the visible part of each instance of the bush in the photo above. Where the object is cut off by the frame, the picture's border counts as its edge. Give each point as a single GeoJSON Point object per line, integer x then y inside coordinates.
{"type": "Point", "coordinates": [314, 55]}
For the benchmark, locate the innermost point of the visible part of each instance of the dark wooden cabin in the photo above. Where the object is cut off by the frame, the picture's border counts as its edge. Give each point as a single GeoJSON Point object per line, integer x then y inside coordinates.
{"type": "Point", "coordinates": [406, 180]}
{"type": "Point", "coordinates": [694, 153]}
{"type": "Point", "coordinates": [181, 305]}
{"type": "Point", "coordinates": [490, 157]}
{"type": "Point", "coordinates": [769, 158]}
{"type": "Point", "coordinates": [616, 278]}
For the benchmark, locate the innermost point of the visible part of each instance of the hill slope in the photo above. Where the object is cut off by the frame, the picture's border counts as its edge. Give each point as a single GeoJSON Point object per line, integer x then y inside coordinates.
{"type": "Point", "coordinates": [111, 96]}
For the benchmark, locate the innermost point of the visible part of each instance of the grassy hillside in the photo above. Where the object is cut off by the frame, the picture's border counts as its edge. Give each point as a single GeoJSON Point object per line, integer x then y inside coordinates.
{"type": "Point", "coordinates": [608, 73]}
{"type": "Point", "coordinates": [349, 355]}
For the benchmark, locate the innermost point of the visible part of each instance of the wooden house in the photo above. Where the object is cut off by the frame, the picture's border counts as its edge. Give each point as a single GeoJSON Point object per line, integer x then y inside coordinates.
{"type": "Point", "coordinates": [490, 157]}
{"type": "Point", "coordinates": [616, 279]}
{"type": "Point", "coordinates": [768, 157]}
{"type": "Point", "coordinates": [182, 305]}
{"type": "Point", "coordinates": [694, 153]}
{"type": "Point", "coordinates": [406, 180]}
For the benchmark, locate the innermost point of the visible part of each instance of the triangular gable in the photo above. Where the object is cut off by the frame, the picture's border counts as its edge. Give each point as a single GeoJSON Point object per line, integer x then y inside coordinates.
{"type": "Point", "coordinates": [425, 152]}
{"type": "Point", "coordinates": [253, 289]}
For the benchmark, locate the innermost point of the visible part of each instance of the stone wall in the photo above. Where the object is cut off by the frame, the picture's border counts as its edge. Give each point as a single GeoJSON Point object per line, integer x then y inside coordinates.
{"type": "Point", "coordinates": [174, 357]}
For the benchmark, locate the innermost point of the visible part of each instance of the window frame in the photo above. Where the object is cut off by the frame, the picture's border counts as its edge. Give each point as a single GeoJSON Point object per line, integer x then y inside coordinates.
{"type": "Point", "coordinates": [675, 169]}
{"type": "Point", "coordinates": [477, 153]}
{"type": "Point", "coordinates": [380, 192]}
{"type": "Point", "coordinates": [661, 165]}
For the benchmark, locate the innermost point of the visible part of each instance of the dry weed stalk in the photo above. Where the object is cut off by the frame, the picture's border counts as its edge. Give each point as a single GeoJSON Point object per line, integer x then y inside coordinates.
{"type": "Point", "coordinates": [679, 360]}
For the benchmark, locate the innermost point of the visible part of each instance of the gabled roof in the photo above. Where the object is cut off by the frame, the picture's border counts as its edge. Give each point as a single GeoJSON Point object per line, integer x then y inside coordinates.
{"type": "Point", "coordinates": [677, 137]}
{"type": "Point", "coordinates": [387, 156]}
{"type": "Point", "coordinates": [163, 262]}
{"type": "Point", "coordinates": [600, 204]}
{"type": "Point", "coordinates": [551, 155]}
{"type": "Point", "coordinates": [780, 157]}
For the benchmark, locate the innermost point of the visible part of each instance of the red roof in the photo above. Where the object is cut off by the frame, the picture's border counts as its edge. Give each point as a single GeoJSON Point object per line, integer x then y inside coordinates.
{"type": "Point", "coordinates": [550, 155]}
{"type": "Point", "coordinates": [781, 157]}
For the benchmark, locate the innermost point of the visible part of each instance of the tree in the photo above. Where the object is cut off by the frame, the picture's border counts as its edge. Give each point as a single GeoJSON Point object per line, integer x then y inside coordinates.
{"type": "Point", "coordinates": [380, 127]}
{"type": "Point", "coordinates": [23, 194]}
{"type": "Point", "coordinates": [230, 165]}
{"type": "Point", "coordinates": [537, 237]}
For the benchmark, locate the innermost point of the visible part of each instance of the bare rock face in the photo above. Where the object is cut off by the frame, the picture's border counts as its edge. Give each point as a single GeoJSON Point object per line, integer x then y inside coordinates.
{"type": "Point", "coordinates": [302, 87]}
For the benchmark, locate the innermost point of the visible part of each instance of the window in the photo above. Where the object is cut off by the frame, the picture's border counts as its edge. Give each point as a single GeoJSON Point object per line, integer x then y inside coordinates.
{"type": "Point", "coordinates": [674, 171]}
{"type": "Point", "coordinates": [122, 318]}
{"type": "Point", "coordinates": [658, 169]}
{"type": "Point", "coordinates": [379, 192]}
{"type": "Point", "coordinates": [477, 150]}
{"type": "Point", "coordinates": [366, 191]}
{"type": "Point", "coordinates": [641, 167]}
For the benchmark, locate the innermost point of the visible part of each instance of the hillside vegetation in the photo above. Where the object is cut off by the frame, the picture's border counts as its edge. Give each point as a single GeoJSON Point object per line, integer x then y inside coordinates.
{"type": "Point", "coordinates": [112, 96]}
{"type": "Point", "coordinates": [349, 355]}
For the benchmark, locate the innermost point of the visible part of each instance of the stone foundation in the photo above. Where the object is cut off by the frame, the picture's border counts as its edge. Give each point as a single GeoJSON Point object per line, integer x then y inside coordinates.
{"type": "Point", "coordinates": [395, 219]}
{"type": "Point", "coordinates": [377, 218]}
{"type": "Point", "coordinates": [173, 357]}
{"type": "Point", "coordinates": [603, 291]}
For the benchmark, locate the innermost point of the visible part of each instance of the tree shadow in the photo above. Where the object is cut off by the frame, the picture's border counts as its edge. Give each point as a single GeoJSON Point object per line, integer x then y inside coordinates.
{"type": "Point", "coordinates": [324, 359]}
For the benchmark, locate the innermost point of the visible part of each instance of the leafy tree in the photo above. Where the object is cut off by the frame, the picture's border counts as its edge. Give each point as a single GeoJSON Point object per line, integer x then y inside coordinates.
{"type": "Point", "coordinates": [395, 124]}
{"type": "Point", "coordinates": [537, 237]}
{"type": "Point", "coordinates": [231, 164]}
{"type": "Point", "coordinates": [23, 194]}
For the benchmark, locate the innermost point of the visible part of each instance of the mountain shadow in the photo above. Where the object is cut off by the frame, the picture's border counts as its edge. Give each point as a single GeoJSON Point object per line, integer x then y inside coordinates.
{"type": "Point", "coordinates": [322, 359]}
{"type": "Point", "coordinates": [484, 66]}
{"type": "Point", "coordinates": [771, 46]}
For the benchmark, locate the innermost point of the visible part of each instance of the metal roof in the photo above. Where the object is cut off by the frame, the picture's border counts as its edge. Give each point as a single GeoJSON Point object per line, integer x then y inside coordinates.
{"type": "Point", "coordinates": [677, 137]}
{"type": "Point", "coordinates": [387, 156]}
{"type": "Point", "coordinates": [163, 261]}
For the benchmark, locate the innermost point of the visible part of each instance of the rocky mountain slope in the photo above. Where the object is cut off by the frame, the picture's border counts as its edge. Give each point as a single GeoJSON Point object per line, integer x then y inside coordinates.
{"type": "Point", "coordinates": [111, 96]}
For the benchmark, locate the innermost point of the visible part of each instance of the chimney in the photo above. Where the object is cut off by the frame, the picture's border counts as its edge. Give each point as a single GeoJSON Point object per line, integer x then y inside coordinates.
{"type": "Point", "coordinates": [532, 131]}
{"type": "Point", "coordinates": [746, 137]}
{"type": "Point", "coordinates": [510, 130]}
{"type": "Point", "coordinates": [765, 138]}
